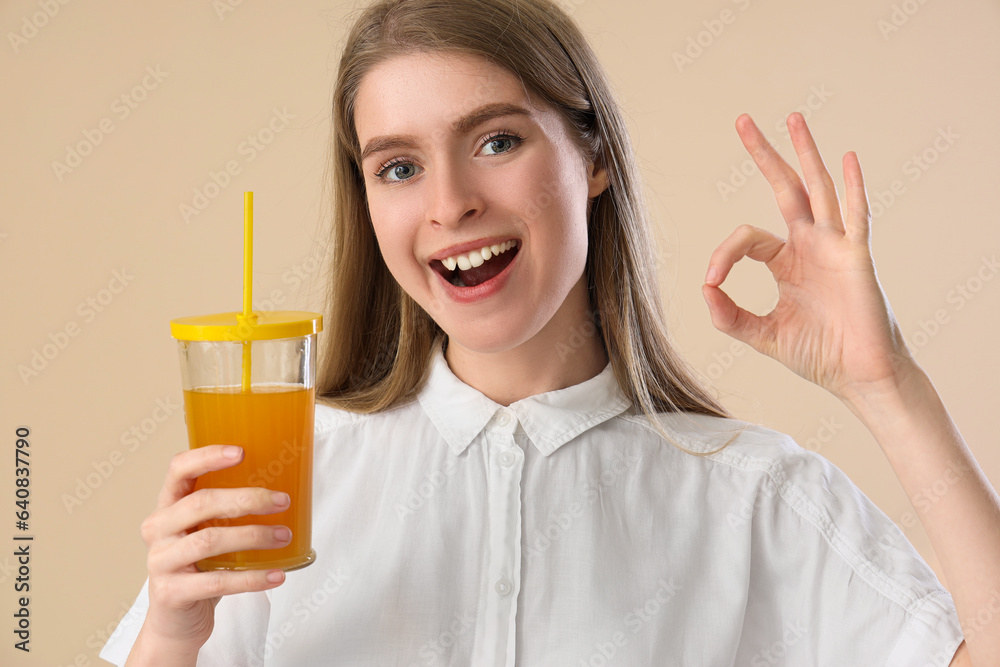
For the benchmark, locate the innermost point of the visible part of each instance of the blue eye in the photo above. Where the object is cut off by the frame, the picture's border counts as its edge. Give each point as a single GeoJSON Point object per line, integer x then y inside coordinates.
{"type": "Point", "coordinates": [398, 168]}
{"type": "Point", "coordinates": [500, 140]}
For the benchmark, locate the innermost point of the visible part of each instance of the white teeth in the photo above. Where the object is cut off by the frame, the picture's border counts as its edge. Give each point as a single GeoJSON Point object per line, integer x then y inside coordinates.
{"type": "Point", "coordinates": [476, 257]}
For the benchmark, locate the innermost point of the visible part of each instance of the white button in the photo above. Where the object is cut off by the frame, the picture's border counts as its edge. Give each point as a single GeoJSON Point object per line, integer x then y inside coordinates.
{"type": "Point", "coordinates": [507, 458]}
{"type": "Point", "coordinates": [503, 418]}
{"type": "Point", "coordinates": [504, 588]}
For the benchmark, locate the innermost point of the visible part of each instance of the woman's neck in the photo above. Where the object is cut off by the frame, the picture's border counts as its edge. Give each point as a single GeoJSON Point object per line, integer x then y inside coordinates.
{"type": "Point", "coordinates": [567, 351]}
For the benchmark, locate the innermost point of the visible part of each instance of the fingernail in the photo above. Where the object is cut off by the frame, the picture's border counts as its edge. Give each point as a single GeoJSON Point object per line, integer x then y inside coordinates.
{"type": "Point", "coordinates": [232, 452]}
{"type": "Point", "coordinates": [275, 577]}
{"type": "Point", "coordinates": [282, 534]}
{"type": "Point", "coordinates": [280, 499]}
{"type": "Point", "coordinates": [712, 274]}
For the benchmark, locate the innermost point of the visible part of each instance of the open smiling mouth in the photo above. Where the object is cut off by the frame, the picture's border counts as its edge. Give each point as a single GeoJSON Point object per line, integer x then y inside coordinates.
{"type": "Point", "coordinates": [474, 268]}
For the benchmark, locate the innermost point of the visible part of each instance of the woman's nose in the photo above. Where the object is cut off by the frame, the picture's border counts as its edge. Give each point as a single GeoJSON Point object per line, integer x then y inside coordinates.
{"type": "Point", "coordinates": [453, 195]}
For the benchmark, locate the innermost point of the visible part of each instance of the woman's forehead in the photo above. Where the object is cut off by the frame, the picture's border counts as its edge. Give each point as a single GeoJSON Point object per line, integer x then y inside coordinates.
{"type": "Point", "coordinates": [432, 88]}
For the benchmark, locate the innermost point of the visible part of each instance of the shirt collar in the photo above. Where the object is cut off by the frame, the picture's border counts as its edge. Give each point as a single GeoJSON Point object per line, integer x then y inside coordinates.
{"type": "Point", "coordinates": [550, 420]}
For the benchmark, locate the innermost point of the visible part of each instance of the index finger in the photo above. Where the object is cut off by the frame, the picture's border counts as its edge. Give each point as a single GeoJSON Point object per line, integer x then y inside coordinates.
{"type": "Point", "coordinates": [187, 466]}
{"type": "Point", "coordinates": [789, 190]}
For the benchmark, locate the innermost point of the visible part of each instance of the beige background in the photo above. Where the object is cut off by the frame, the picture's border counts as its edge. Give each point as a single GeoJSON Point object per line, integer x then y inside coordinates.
{"type": "Point", "coordinates": [887, 95]}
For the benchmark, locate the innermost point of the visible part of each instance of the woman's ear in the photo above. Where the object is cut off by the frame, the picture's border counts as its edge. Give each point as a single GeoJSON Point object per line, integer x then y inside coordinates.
{"type": "Point", "coordinates": [597, 180]}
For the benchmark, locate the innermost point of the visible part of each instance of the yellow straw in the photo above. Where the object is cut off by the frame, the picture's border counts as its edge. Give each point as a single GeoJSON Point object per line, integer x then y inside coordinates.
{"type": "Point", "coordinates": [247, 281]}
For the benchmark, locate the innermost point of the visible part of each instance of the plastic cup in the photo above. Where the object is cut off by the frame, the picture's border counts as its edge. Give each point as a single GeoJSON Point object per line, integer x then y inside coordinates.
{"type": "Point", "coordinates": [251, 383]}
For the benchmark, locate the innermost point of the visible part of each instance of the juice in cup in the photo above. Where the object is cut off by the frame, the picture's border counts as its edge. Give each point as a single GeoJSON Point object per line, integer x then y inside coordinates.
{"type": "Point", "coordinates": [269, 414]}
{"type": "Point", "coordinates": [274, 425]}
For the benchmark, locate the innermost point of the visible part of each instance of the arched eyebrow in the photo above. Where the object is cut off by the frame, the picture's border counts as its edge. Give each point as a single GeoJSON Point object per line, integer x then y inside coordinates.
{"type": "Point", "coordinates": [463, 125]}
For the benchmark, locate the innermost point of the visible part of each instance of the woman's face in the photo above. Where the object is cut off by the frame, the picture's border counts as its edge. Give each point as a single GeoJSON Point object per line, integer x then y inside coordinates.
{"type": "Point", "coordinates": [458, 165]}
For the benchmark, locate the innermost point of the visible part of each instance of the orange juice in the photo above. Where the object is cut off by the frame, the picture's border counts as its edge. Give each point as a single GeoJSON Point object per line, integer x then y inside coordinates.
{"type": "Point", "coordinates": [274, 426]}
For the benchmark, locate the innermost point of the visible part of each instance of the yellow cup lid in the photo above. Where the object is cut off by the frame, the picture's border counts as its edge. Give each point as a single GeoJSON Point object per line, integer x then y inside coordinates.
{"type": "Point", "coordinates": [261, 325]}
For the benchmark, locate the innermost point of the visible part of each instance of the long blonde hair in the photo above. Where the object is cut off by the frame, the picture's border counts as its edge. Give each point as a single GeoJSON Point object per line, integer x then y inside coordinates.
{"type": "Point", "coordinates": [377, 339]}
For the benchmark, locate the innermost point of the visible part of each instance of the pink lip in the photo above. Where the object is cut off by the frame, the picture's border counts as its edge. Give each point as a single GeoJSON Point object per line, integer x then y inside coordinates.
{"type": "Point", "coordinates": [481, 291]}
{"type": "Point", "coordinates": [451, 251]}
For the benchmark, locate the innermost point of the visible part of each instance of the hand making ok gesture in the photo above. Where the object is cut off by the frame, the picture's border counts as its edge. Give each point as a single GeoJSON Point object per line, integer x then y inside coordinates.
{"type": "Point", "coordinates": [832, 323]}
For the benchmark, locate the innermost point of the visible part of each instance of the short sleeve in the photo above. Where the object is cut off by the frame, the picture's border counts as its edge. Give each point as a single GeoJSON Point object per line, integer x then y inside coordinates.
{"type": "Point", "coordinates": [834, 581]}
{"type": "Point", "coordinates": [238, 638]}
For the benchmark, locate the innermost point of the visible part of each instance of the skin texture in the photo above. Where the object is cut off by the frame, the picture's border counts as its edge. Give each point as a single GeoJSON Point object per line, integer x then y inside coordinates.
{"type": "Point", "coordinates": [454, 186]}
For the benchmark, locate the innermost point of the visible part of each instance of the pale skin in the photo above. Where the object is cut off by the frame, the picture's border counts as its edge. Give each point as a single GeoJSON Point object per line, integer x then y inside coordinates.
{"type": "Point", "coordinates": [826, 259]}
{"type": "Point", "coordinates": [451, 185]}
{"type": "Point", "coordinates": [833, 326]}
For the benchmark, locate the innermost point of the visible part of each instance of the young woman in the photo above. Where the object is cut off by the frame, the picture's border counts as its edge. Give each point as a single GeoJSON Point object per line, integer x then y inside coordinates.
{"type": "Point", "coordinates": [512, 464]}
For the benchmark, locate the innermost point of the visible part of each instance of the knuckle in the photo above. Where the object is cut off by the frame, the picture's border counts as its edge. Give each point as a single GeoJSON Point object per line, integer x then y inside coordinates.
{"type": "Point", "coordinates": [147, 530]}
{"type": "Point", "coordinates": [176, 467]}
{"type": "Point", "coordinates": [215, 585]}
{"type": "Point", "coordinates": [234, 506]}
{"type": "Point", "coordinates": [200, 500]}
{"type": "Point", "coordinates": [245, 500]}
{"type": "Point", "coordinates": [154, 561]}
{"type": "Point", "coordinates": [206, 539]}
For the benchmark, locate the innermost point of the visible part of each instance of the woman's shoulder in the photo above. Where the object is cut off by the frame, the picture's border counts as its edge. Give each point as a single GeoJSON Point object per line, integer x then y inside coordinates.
{"type": "Point", "coordinates": [727, 439]}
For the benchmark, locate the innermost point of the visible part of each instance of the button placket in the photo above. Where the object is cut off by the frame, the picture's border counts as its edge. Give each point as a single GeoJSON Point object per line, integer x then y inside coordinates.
{"type": "Point", "coordinates": [503, 564]}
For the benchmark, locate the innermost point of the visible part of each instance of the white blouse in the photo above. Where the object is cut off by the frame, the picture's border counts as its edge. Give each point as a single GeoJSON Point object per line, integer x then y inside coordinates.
{"type": "Point", "coordinates": [564, 531]}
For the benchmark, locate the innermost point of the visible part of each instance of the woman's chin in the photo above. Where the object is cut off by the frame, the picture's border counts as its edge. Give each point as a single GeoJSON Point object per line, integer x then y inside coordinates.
{"type": "Point", "coordinates": [487, 340]}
